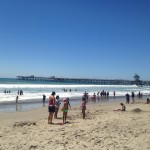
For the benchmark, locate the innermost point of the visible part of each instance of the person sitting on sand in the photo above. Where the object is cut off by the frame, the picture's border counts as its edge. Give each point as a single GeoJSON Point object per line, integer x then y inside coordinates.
{"type": "Point", "coordinates": [83, 106]}
{"type": "Point", "coordinates": [122, 109]}
{"type": "Point", "coordinates": [51, 107]}
{"type": "Point", "coordinates": [57, 104]}
{"type": "Point", "coordinates": [65, 109]}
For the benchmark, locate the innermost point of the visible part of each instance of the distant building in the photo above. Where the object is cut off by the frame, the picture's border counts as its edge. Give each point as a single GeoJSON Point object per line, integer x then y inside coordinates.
{"type": "Point", "coordinates": [137, 79]}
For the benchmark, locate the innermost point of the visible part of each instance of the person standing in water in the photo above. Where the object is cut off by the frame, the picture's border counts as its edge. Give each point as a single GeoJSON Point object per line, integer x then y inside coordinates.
{"type": "Point", "coordinates": [17, 97]}
{"type": "Point", "coordinates": [44, 97]}
{"type": "Point", "coordinates": [114, 94]}
{"type": "Point", "coordinates": [132, 95]}
{"type": "Point", "coordinates": [51, 107]}
{"type": "Point", "coordinates": [127, 98]}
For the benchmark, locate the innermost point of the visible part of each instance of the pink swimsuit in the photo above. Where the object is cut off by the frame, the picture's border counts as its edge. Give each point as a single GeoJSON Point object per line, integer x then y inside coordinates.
{"type": "Point", "coordinates": [83, 105]}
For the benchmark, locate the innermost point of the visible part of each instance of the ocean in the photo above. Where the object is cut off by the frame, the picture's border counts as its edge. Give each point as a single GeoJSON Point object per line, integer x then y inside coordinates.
{"type": "Point", "coordinates": [33, 93]}
{"type": "Point", "coordinates": [33, 90]}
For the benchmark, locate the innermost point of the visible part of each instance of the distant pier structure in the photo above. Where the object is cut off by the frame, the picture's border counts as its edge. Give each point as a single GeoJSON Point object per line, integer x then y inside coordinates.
{"type": "Point", "coordinates": [77, 80]}
{"type": "Point", "coordinates": [33, 78]}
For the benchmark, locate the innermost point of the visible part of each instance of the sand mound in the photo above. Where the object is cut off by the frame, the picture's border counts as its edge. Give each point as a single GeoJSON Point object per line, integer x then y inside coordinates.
{"type": "Point", "coordinates": [24, 123]}
{"type": "Point", "coordinates": [137, 110]}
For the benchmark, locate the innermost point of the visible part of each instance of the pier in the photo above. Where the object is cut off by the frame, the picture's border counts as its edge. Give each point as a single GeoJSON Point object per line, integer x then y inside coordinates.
{"type": "Point", "coordinates": [78, 80]}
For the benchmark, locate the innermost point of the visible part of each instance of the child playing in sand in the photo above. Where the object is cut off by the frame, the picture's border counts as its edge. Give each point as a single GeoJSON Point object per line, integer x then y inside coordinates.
{"type": "Point", "coordinates": [123, 107]}
{"type": "Point", "coordinates": [83, 106]}
{"type": "Point", "coordinates": [65, 109]}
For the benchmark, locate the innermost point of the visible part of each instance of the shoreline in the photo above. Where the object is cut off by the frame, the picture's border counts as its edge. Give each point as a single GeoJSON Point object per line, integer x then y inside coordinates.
{"type": "Point", "coordinates": [32, 104]}
{"type": "Point", "coordinates": [71, 99]}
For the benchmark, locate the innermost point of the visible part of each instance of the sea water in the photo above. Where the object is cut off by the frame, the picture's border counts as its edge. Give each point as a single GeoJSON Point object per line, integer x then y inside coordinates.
{"type": "Point", "coordinates": [33, 93]}
{"type": "Point", "coordinates": [33, 90]}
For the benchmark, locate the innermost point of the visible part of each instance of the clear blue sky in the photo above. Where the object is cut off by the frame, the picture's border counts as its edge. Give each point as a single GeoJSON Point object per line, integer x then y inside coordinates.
{"type": "Point", "coordinates": [75, 38]}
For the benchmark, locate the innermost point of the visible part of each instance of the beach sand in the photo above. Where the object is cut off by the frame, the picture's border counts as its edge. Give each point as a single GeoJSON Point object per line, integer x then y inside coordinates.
{"type": "Point", "coordinates": [103, 129]}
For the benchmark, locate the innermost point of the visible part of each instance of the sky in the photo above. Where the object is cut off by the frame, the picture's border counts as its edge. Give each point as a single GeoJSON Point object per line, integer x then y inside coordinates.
{"type": "Point", "coordinates": [107, 39]}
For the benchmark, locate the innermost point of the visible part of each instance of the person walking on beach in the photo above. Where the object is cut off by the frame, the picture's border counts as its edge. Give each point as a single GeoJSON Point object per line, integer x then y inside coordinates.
{"type": "Point", "coordinates": [127, 98]}
{"type": "Point", "coordinates": [148, 101]}
{"type": "Point", "coordinates": [107, 94]}
{"type": "Point", "coordinates": [65, 109]}
{"type": "Point", "coordinates": [132, 95]}
{"type": "Point", "coordinates": [57, 104]}
{"type": "Point", "coordinates": [139, 94]}
{"type": "Point", "coordinates": [83, 106]}
{"type": "Point", "coordinates": [51, 107]}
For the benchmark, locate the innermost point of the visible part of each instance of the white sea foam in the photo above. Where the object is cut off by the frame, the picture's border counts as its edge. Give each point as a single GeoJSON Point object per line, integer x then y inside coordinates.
{"type": "Point", "coordinates": [35, 91]}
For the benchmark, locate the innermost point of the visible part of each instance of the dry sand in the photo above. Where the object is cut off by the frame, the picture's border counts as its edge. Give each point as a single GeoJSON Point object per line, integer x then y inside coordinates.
{"type": "Point", "coordinates": [103, 129]}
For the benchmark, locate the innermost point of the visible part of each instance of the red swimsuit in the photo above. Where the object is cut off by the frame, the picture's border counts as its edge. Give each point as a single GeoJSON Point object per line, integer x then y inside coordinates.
{"type": "Point", "coordinates": [51, 101]}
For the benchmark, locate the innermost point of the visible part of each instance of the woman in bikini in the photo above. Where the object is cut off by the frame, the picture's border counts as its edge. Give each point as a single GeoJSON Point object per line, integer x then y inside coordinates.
{"type": "Point", "coordinates": [51, 107]}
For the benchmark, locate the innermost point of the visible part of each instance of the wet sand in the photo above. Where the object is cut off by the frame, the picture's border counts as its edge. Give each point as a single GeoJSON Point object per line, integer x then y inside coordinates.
{"type": "Point", "coordinates": [31, 104]}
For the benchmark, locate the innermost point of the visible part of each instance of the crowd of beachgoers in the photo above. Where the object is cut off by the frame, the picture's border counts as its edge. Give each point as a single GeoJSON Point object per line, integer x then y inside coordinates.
{"type": "Point", "coordinates": [54, 103]}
